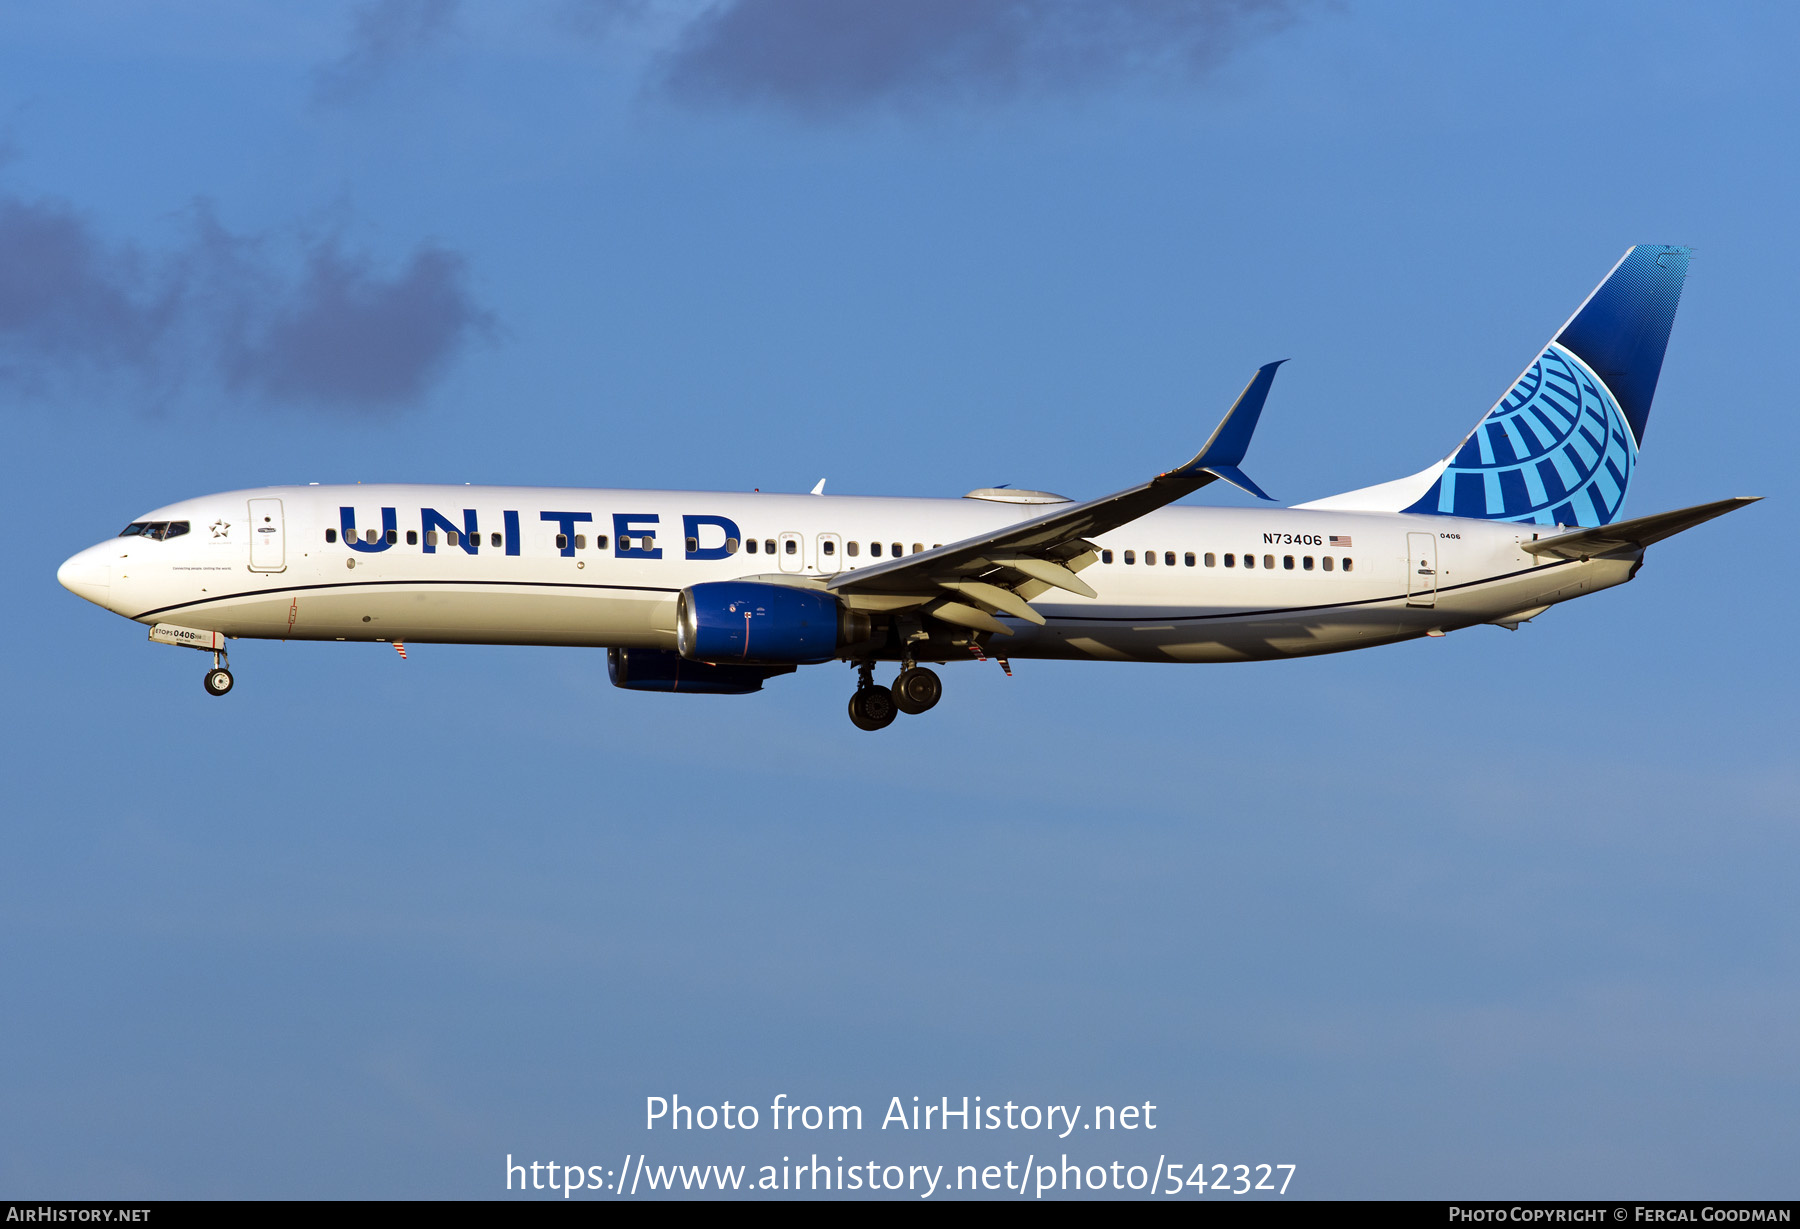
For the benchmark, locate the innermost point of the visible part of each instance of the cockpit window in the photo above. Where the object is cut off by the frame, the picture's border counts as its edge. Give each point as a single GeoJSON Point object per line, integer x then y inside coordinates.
{"type": "Point", "coordinates": [155, 529]}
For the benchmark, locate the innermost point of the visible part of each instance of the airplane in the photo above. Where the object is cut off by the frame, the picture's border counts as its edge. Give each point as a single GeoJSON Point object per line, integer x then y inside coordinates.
{"type": "Point", "coordinates": [719, 592]}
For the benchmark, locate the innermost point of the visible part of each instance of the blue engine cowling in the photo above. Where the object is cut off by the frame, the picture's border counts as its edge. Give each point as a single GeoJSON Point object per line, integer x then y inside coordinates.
{"type": "Point", "coordinates": [661, 670]}
{"type": "Point", "coordinates": [747, 621]}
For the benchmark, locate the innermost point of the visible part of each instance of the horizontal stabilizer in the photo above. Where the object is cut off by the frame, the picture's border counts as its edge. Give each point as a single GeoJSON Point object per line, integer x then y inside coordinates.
{"type": "Point", "coordinates": [1633, 534]}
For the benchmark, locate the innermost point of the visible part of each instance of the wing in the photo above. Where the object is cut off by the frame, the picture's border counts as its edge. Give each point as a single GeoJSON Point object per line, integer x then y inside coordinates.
{"type": "Point", "coordinates": [968, 582]}
{"type": "Point", "coordinates": [1633, 534]}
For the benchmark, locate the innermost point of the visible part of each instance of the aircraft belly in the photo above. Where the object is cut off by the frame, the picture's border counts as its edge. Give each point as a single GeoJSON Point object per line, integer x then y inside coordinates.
{"type": "Point", "coordinates": [1246, 637]}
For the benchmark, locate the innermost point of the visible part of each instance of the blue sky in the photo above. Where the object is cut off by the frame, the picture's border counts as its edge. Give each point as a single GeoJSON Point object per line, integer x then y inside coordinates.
{"type": "Point", "coordinates": [1501, 914]}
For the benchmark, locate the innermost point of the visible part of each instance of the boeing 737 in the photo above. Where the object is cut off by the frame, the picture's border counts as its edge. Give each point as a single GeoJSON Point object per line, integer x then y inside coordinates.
{"type": "Point", "coordinates": [718, 592]}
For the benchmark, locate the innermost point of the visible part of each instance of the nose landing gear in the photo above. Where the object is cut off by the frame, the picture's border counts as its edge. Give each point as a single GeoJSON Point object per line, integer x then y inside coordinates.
{"type": "Point", "coordinates": [874, 708]}
{"type": "Point", "coordinates": [218, 679]}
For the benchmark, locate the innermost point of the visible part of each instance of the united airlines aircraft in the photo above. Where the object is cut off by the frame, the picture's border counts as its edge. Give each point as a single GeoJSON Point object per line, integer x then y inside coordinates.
{"type": "Point", "coordinates": [718, 592]}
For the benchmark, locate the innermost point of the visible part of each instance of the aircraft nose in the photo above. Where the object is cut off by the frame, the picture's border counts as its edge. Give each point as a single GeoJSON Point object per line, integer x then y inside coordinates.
{"type": "Point", "coordinates": [88, 575]}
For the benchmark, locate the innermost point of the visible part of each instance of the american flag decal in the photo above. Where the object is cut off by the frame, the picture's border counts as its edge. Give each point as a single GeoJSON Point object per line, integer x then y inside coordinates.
{"type": "Point", "coordinates": [1337, 541]}
{"type": "Point", "coordinates": [400, 649]}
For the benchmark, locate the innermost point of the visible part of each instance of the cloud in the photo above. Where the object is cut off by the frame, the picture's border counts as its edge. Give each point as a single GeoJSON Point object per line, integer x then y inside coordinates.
{"type": "Point", "coordinates": [226, 309]}
{"type": "Point", "coordinates": [829, 56]}
{"type": "Point", "coordinates": [383, 33]}
{"type": "Point", "coordinates": [349, 337]}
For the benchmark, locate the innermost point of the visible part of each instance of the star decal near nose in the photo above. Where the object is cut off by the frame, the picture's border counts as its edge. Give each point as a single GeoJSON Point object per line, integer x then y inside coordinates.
{"type": "Point", "coordinates": [221, 529]}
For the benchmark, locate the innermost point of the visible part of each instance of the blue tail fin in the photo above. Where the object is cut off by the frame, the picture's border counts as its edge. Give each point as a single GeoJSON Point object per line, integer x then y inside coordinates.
{"type": "Point", "coordinates": [1559, 448]}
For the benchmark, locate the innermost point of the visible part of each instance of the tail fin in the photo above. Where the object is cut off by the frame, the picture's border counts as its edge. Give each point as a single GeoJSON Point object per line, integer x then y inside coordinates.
{"type": "Point", "coordinates": [1559, 448]}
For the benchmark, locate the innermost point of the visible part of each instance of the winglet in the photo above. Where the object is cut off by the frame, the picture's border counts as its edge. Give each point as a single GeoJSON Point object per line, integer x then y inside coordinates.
{"type": "Point", "coordinates": [1230, 440]}
{"type": "Point", "coordinates": [1239, 479]}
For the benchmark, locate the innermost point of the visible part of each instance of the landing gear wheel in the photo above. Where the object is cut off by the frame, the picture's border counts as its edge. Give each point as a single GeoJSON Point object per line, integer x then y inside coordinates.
{"type": "Point", "coordinates": [917, 689]}
{"type": "Point", "coordinates": [218, 681]}
{"type": "Point", "coordinates": [872, 708]}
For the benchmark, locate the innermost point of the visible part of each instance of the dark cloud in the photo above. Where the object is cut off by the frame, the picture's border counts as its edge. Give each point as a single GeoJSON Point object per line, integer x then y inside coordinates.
{"type": "Point", "coordinates": [226, 310]}
{"type": "Point", "coordinates": [829, 56]}
{"type": "Point", "coordinates": [382, 34]}
{"type": "Point", "coordinates": [349, 337]}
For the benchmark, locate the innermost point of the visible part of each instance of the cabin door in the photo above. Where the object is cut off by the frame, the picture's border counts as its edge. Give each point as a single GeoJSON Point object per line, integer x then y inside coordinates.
{"type": "Point", "coordinates": [1421, 569]}
{"type": "Point", "coordinates": [268, 553]}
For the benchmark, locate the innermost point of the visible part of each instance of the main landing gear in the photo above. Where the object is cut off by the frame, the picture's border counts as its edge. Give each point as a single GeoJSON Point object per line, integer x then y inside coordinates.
{"type": "Point", "coordinates": [873, 707]}
{"type": "Point", "coordinates": [218, 679]}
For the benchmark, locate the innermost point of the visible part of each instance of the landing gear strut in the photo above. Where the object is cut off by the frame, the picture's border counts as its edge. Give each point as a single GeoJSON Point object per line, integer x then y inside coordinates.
{"type": "Point", "coordinates": [218, 679]}
{"type": "Point", "coordinates": [871, 707]}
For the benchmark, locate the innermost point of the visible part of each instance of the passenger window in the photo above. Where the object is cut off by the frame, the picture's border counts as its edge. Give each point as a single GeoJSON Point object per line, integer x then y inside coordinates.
{"type": "Point", "coordinates": [851, 548]}
{"type": "Point", "coordinates": [875, 550]}
{"type": "Point", "coordinates": [1326, 562]}
{"type": "Point", "coordinates": [369, 536]}
{"type": "Point", "coordinates": [731, 545]}
{"type": "Point", "coordinates": [1230, 560]}
{"type": "Point", "coordinates": [1105, 556]}
{"type": "Point", "coordinates": [1189, 559]}
{"type": "Point", "coordinates": [791, 547]}
{"type": "Point", "coordinates": [1149, 558]}
{"type": "Point", "coordinates": [452, 537]}
{"type": "Point", "coordinates": [828, 546]}
{"type": "Point", "coordinates": [494, 540]}
{"type": "Point", "coordinates": [430, 537]}
{"type": "Point", "coordinates": [896, 552]}
{"type": "Point", "coordinates": [412, 537]}
{"type": "Point", "coordinates": [581, 541]}
{"type": "Point", "coordinates": [1306, 564]}
{"type": "Point", "coordinates": [750, 546]}
{"type": "Point", "coordinates": [562, 541]}
{"type": "Point", "coordinates": [1130, 556]}
{"type": "Point", "coordinates": [599, 541]}
{"type": "Point", "coordinates": [1269, 561]}
{"type": "Point", "coordinates": [393, 537]}
{"type": "Point", "coordinates": [331, 535]}
{"type": "Point", "coordinates": [917, 547]}
{"type": "Point", "coordinates": [1347, 564]}
{"type": "Point", "coordinates": [1212, 560]}
{"type": "Point", "coordinates": [1287, 561]}
{"type": "Point", "coordinates": [1169, 559]}
{"type": "Point", "coordinates": [1250, 560]}
{"type": "Point", "coordinates": [768, 546]}
{"type": "Point", "coordinates": [693, 544]}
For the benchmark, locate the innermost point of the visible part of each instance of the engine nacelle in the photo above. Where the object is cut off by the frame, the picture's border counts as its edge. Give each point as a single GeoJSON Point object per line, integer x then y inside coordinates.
{"type": "Point", "coordinates": [661, 670]}
{"type": "Point", "coordinates": [747, 621]}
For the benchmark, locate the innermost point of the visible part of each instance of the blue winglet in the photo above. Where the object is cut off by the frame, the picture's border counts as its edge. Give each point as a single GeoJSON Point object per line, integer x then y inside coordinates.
{"type": "Point", "coordinates": [1230, 440]}
{"type": "Point", "coordinates": [1239, 479]}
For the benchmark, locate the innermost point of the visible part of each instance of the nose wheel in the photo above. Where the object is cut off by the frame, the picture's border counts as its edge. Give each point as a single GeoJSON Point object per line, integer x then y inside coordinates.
{"type": "Point", "coordinates": [218, 680]}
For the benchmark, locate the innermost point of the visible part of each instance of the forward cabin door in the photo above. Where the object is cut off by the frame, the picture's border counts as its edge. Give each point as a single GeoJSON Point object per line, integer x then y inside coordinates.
{"type": "Point", "coordinates": [268, 551]}
{"type": "Point", "coordinates": [1421, 569]}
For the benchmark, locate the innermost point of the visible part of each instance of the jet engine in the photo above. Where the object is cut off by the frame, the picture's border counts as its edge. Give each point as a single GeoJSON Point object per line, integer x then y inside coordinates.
{"type": "Point", "coordinates": [747, 621]}
{"type": "Point", "coordinates": [661, 670]}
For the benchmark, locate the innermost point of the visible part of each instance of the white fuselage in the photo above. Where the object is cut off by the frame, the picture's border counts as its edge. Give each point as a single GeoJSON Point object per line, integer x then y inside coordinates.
{"type": "Point", "coordinates": [1391, 576]}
